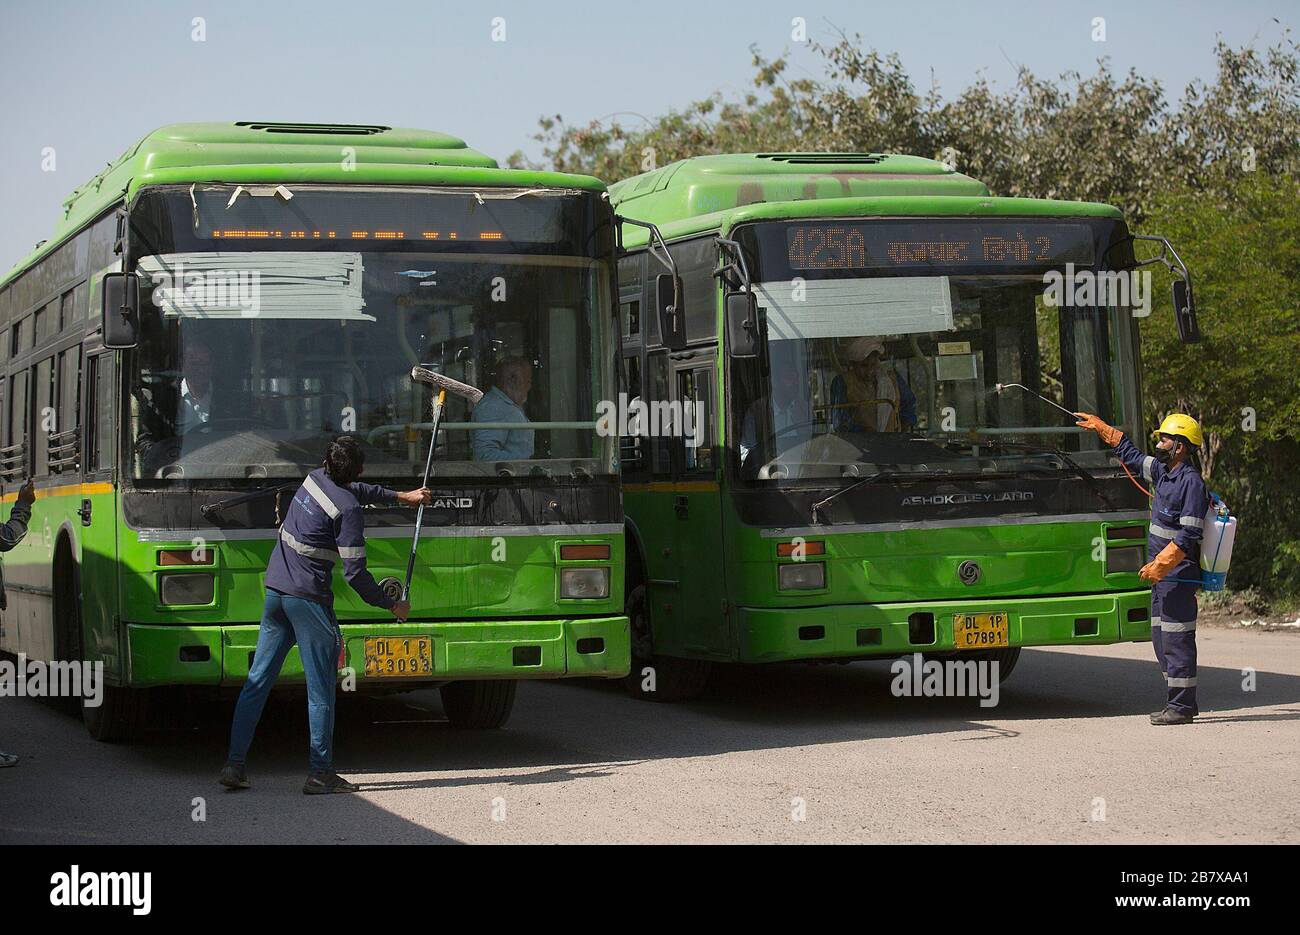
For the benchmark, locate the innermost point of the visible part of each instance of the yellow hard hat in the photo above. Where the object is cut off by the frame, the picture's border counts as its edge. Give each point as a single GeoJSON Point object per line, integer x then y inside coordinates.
{"type": "Point", "coordinates": [1179, 423]}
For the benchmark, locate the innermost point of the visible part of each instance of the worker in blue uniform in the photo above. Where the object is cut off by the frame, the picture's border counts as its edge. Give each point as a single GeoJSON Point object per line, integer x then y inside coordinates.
{"type": "Point", "coordinates": [1180, 504]}
{"type": "Point", "coordinates": [323, 525]}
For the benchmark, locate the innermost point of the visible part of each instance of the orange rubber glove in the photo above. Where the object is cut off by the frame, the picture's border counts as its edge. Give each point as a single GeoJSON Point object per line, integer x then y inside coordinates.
{"type": "Point", "coordinates": [1106, 433]}
{"type": "Point", "coordinates": [1162, 564]}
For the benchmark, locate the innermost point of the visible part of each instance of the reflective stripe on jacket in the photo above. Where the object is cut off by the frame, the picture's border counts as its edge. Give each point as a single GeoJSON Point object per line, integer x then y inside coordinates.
{"type": "Point", "coordinates": [1180, 501]}
{"type": "Point", "coordinates": [325, 525]}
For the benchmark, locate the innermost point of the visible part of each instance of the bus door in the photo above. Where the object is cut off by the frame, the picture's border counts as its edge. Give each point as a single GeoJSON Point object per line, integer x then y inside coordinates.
{"type": "Point", "coordinates": [697, 509]}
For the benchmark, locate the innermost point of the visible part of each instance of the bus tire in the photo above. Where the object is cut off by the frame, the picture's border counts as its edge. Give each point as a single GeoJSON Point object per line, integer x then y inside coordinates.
{"type": "Point", "coordinates": [119, 718]}
{"type": "Point", "coordinates": [478, 704]}
{"type": "Point", "coordinates": [656, 677]}
{"type": "Point", "coordinates": [68, 636]}
{"type": "Point", "coordinates": [1006, 658]}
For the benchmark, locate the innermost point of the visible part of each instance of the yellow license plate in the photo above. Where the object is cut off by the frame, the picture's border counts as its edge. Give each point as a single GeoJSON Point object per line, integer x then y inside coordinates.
{"type": "Point", "coordinates": [981, 631]}
{"type": "Point", "coordinates": [398, 656]}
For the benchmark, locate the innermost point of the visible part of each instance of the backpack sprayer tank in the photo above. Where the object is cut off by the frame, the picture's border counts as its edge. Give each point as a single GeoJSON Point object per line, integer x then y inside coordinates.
{"type": "Point", "coordinates": [1216, 544]}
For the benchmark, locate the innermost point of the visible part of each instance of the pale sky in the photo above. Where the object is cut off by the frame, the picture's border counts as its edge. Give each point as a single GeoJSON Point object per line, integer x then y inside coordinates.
{"type": "Point", "coordinates": [89, 78]}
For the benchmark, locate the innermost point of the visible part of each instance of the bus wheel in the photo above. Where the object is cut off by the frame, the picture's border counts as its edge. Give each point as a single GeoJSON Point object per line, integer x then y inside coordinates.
{"type": "Point", "coordinates": [119, 717]}
{"type": "Point", "coordinates": [483, 704]}
{"type": "Point", "coordinates": [121, 713]}
{"type": "Point", "coordinates": [654, 677]}
{"type": "Point", "coordinates": [1006, 658]}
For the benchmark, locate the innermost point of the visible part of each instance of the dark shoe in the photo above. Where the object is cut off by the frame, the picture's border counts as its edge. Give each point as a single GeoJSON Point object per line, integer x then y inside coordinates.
{"type": "Point", "coordinates": [234, 777]}
{"type": "Point", "coordinates": [1170, 716]}
{"type": "Point", "coordinates": [326, 783]}
{"type": "Point", "coordinates": [8, 759]}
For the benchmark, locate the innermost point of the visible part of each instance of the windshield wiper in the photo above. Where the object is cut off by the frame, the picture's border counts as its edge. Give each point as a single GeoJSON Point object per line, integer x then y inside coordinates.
{"type": "Point", "coordinates": [208, 509]}
{"type": "Point", "coordinates": [1075, 466]}
{"type": "Point", "coordinates": [879, 475]}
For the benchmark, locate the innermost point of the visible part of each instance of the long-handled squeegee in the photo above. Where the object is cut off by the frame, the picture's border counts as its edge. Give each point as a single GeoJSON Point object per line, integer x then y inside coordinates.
{"type": "Point", "coordinates": [444, 385]}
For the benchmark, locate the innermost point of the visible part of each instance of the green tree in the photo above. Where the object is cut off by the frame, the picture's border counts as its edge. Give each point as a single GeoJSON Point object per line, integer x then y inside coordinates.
{"type": "Point", "coordinates": [1243, 380]}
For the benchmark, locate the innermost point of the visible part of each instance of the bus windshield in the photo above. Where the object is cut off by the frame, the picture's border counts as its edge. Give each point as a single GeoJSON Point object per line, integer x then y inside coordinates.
{"type": "Point", "coordinates": [884, 356]}
{"type": "Point", "coordinates": [275, 320]}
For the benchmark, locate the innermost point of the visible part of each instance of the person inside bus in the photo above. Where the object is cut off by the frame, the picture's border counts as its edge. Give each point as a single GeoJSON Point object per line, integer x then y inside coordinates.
{"type": "Point", "coordinates": [504, 403]}
{"type": "Point", "coordinates": [870, 395]}
{"type": "Point", "coordinates": [323, 525]}
{"type": "Point", "coordinates": [12, 533]}
{"type": "Point", "coordinates": [194, 402]}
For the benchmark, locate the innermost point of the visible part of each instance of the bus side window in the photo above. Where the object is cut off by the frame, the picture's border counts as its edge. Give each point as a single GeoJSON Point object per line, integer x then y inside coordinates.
{"type": "Point", "coordinates": [633, 446]}
{"type": "Point", "coordinates": [629, 294]}
{"type": "Point", "coordinates": [696, 260]}
{"type": "Point", "coordinates": [14, 462]}
{"type": "Point", "coordinates": [657, 400]}
{"type": "Point", "coordinates": [99, 413]}
{"type": "Point", "coordinates": [695, 392]}
{"type": "Point", "coordinates": [46, 417]}
{"type": "Point", "coordinates": [65, 449]}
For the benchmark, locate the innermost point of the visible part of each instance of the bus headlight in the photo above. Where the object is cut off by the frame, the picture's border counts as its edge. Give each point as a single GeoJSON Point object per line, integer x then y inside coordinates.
{"type": "Point", "coordinates": [186, 589]}
{"type": "Point", "coordinates": [584, 583]}
{"type": "Point", "coordinates": [1120, 560]}
{"type": "Point", "coordinates": [801, 576]}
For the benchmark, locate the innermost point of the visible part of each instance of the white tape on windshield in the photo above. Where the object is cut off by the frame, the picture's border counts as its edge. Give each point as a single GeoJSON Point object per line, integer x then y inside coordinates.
{"type": "Point", "coordinates": [845, 308]}
{"type": "Point", "coordinates": [257, 284]}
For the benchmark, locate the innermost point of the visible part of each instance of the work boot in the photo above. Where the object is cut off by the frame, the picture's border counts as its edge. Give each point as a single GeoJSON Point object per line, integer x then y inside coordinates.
{"type": "Point", "coordinates": [1171, 716]}
{"type": "Point", "coordinates": [326, 783]}
{"type": "Point", "coordinates": [233, 776]}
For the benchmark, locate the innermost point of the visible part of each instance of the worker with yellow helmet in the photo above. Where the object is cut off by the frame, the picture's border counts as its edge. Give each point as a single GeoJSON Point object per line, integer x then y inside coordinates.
{"type": "Point", "coordinates": [1179, 505]}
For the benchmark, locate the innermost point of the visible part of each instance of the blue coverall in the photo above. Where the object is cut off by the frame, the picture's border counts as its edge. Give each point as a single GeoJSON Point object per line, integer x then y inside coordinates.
{"type": "Point", "coordinates": [1177, 515]}
{"type": "Point", "coordinates": [323, 526]}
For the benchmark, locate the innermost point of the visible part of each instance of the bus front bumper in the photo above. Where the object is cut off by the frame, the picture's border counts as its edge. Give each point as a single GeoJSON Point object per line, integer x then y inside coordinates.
{"type": "Point", "coordinates": [472, 649]}
{"type": "Point", "coordinates": [862, 630]}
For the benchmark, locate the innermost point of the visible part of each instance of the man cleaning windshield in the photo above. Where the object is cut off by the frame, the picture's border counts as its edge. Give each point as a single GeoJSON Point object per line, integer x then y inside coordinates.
{"type": "Point", "coordinates": [323, 525]}
{"type": "Point", "coordinates": [1177, 522]}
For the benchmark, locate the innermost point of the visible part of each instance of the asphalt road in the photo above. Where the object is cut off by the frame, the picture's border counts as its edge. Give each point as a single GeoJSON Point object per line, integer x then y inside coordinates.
{"type": "Point", "coordinates": [788, 754]}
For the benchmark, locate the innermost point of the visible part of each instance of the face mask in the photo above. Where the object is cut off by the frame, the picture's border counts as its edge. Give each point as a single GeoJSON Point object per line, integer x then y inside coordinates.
{"type": "Point", "coordinates": [1165, 455]}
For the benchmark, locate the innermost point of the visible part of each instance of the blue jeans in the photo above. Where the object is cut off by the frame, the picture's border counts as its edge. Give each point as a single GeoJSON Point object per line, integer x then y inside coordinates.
{"type": "Point", "coordinates": [287, 620]}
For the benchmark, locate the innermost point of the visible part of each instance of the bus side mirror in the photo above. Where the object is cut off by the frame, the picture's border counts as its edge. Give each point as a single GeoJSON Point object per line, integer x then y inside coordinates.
{"type": "Point", "coordinates": [1189, 332]}
{"type": "Point", "coordinates": [120, 310]}
{"type": "Point", "coordinates": [672, 320]}
{"type": "Point", "coordinates": [744, 325]}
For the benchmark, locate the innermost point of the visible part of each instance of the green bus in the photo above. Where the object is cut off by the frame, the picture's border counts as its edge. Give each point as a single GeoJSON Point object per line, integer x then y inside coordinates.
{"type": "Point", "coordinates": [270, 286]}
{"type": "Point", "coordinates": [863, 337]}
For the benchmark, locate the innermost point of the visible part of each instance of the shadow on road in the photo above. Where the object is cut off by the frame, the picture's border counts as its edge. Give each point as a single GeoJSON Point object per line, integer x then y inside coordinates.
{"type": "Point", "coordinates": [580, 731]}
